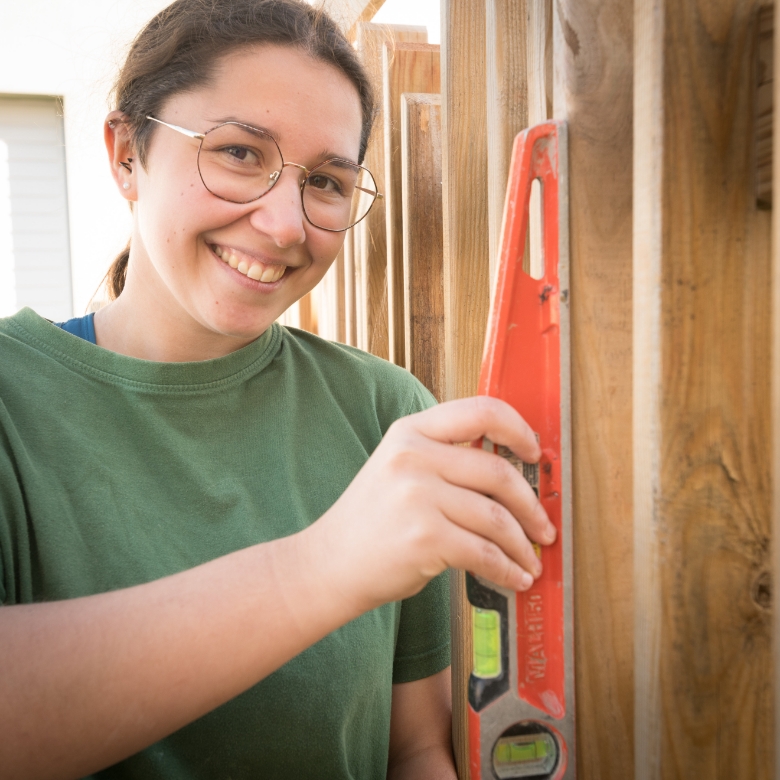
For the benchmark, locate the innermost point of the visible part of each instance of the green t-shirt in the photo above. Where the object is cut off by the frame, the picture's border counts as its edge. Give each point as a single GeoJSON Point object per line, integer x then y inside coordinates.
{"type": "Point", "coordinates": [116, 471]}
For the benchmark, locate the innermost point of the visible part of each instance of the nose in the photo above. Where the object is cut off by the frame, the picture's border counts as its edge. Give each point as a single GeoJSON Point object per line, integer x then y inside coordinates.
{"type": "Point", "coordinates": [279, 213]}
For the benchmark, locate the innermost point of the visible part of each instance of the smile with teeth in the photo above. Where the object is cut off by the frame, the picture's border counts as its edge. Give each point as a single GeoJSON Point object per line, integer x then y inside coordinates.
{"type": "Point", "coordinates": [249, 266]}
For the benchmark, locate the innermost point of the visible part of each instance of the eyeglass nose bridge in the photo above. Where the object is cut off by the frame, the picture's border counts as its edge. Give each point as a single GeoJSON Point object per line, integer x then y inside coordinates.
{"type": "Point", "coordinates": [274, 177]}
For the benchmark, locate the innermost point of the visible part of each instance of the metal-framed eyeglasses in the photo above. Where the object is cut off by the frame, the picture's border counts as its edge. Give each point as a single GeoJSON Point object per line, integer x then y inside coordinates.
{"type": "Point", "coordinates": [240, 163]}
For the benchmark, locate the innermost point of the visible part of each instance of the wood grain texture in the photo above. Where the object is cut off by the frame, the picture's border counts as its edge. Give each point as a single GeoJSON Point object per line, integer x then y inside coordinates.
{"type": "Point", "coordinates": [592, 41]}
{"type": "Point", "coordinates": [406, 67]}
{"type": "Point", "coordinates": [330, 297]}
{"type": "Point", "coordinates": [350, 284]}
{"type": "Point", "coordinates": [507, 103]}
{"type": "Point", "coordinates": [540, 89]}
{"type": "Point", "coordinates": [307, 313]}
{"type": "Point", "coordinates": [466, 267]}
{"type": "Point", "coordinates": [701, 402]}
{"type": "Point", "coordinates": [775, 401]}
{"type": "Point", "coordinates": [370, 235]}
{"type": "Point", "coordinates": [359, 255]}
{"type": "Point", "coordinates": [423, 250]}
{"type": "Point", "coordinates": [764, 105]}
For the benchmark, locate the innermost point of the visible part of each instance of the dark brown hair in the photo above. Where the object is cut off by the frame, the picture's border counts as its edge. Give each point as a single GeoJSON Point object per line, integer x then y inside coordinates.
{"type": "Point", "coordinates": [180, 48]}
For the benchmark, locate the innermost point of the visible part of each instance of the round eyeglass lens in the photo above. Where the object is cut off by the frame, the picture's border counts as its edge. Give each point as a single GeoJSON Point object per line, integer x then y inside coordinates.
{"type": "Point", "coordinates": [238, 163]}
{"type": "Point", "coordinates": [337, 194]}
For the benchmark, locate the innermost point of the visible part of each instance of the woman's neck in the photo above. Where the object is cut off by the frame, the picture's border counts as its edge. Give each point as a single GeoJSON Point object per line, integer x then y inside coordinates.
{"type": "Point", "coordinates": [146, 322]}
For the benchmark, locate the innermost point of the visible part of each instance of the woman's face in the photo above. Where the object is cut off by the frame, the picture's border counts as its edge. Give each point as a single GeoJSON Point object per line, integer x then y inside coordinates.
{"type": "Point", "coordinates": [184, 236]}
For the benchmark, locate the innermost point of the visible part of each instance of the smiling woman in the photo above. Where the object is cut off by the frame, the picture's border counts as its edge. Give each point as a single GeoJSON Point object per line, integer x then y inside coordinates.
{"type": "Point", "coordinates": [224, 543]}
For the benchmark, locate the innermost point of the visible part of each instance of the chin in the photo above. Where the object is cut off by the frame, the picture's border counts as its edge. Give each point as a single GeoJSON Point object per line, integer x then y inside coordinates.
{"type": "Point", "coordinates": [243, 325]}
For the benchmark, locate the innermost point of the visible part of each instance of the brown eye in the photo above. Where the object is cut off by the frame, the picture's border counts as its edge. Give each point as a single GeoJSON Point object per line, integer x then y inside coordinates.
{"type": "Point", "coordinates": [323, 183]}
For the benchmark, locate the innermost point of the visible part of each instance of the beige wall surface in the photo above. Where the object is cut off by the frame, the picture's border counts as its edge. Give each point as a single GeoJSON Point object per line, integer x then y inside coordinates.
{"type": "Point", "coordinates": [73, 50]}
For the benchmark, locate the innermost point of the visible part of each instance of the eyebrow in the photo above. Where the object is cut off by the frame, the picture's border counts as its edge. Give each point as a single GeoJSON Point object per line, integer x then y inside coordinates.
{"type": "Point", "coordinates": [328, 155]}
{"type": "Point", "coordinates": [324, 155]}
{"type": "Point", "coordinates": [266, 130]}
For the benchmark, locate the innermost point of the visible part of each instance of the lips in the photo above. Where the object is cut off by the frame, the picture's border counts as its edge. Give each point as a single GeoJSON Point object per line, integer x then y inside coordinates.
{"type": "Point", "coordinates": [249, 266]}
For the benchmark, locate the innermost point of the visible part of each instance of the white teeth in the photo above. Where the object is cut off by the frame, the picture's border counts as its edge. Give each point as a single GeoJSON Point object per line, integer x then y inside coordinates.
{"type": "Point", "coordinates": [257, 271]}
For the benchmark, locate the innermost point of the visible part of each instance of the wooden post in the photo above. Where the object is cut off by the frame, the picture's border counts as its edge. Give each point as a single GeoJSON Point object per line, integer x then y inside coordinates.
{"type": "Point", "coordinates": [359, 263]}
{"type": "Point", "coordinates": [701, 399]}
{"type": "Point", "coordinates": [350, 314]}
{"type": "Point", "coordinates": [593, 92]}
{"type": "Point", "coordinates": [307, 313]}
{"type": "Point", "coordinates": [330, 301]}
{"type": "Point", "coordinates": [406, 67]}
{"type": "Point", "coordinates": [422, 239]}
{"type": "Point", "coordinates": [507, 102]}
{"type": "Point", "coordinates": [371, 243]}
{"type": "Point", "coordinates": [775, 389]}
{"type": "Point", "coordinates": [466, 266]}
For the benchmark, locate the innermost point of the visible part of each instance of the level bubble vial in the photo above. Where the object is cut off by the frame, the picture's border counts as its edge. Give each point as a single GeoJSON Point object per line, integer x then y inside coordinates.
{"type": "Point", "coordinates": [529, 755]}
{"type": "Point", "coordinates": [487, 642]}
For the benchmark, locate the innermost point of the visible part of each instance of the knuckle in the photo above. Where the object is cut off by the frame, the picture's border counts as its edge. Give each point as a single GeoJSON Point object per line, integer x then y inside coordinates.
{"type": "Point", "coordinates": [502, 471]}
{"type": "Point", "coordinates": [411, 491]}
{"type": "Point", "coordinates": [491, 556]}
{"type": "Point", "coordinates": [538, 516]}
{"type": "Point", "coordinates": [404, 457]}
{"type": "Point", "coordinates": [498, 518]}
{"type": "Point", "coordinates": [423, 536]}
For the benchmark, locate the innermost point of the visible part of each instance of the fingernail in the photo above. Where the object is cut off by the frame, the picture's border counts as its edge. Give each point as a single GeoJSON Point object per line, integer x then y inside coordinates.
{"type": "Point", "coordinates": [538, 571]}
{"type": "Point", "coordinates": [550, 533]}
{"type": "Point", "coordinates": [526, 580]}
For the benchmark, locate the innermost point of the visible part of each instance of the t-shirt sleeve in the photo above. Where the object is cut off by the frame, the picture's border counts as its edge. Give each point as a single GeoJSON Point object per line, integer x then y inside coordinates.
{"type": "Point", "coordinates": [423, 645]}
{"type": "Point", "coordinates": [14, 533]}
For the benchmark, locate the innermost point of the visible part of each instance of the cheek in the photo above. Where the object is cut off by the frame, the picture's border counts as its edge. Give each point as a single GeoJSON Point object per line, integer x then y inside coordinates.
{"type": "Point", "coordinates": [324, 246]}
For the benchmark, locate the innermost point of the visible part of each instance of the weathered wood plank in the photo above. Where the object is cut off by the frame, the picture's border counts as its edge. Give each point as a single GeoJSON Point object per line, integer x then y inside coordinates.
{"type": "Point", "coordinates": [423, 251]}
{"type": "Point", "coordinates": [593, 92]}
{"type": "Point", "coordinates": [466, 266]}
{"type": "Point", "coordinates": [350, 285]}
{"type": "Point", "coordinates": [307, 313]}
{"type": "Point", "coordinates": [775, 400]}
{"type": "Point", "coordinates": [701, 399]}
{"type": "Point", "coordinates": [329, 294]}
{"type": "Point", "coordinates": [370, 235]}
{"type": "Point", "coordinates": [507, 102]}
{"type": "Point", "coordinates": [764, 105]}
{"type": "Point", "coordinates": [406, 67]}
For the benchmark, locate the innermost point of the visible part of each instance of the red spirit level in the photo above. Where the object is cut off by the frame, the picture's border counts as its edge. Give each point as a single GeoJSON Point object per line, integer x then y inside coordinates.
{"type": "Point", "coordinates": [521, 689]}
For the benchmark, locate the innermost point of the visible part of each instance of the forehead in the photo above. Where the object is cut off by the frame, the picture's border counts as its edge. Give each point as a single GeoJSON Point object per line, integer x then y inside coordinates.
{"type": "Point", "coordinates": [309, 105]}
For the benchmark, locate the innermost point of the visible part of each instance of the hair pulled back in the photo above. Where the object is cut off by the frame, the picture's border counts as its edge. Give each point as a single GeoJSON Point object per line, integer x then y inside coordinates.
{"type": "Point", "coordinates": [180, 48]}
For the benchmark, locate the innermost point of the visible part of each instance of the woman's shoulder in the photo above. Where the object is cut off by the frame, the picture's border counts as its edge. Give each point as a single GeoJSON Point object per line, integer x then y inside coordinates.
{"type": "Point", "coordinates": [354, 373]}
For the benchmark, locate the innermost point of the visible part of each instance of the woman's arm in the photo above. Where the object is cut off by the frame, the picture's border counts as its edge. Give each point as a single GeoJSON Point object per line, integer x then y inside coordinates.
{"type": "Point", "coordinates": [89, 681]}
{"type": "Point", "coordinates": [420, 730]}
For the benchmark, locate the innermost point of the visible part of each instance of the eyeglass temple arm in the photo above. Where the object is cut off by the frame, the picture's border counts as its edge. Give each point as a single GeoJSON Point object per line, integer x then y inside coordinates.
{"type": "Point", "coordinates": [370, 192]}
{"type": "Point", "coordinates": [182, 130]}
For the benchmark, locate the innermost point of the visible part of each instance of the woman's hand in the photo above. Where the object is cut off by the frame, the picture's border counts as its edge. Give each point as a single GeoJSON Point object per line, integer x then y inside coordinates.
{"type": "Point", "coordinates": [421, 505]}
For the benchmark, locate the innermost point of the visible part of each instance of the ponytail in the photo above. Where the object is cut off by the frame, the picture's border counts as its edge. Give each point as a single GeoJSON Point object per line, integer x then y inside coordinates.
{"type": "Point", "coordinates": [117, 273]}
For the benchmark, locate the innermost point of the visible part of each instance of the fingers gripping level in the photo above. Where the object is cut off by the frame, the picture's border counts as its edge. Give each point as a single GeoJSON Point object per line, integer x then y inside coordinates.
{"type": "Point", "coordinates": [521, 689]}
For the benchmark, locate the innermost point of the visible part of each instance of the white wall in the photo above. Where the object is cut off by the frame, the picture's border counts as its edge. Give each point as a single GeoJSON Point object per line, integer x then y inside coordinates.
{"type": "Point", "coordinates": [72, 50]}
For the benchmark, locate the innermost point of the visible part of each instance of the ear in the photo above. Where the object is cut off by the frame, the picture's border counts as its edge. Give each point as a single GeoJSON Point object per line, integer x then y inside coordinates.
{"type": "Point", "coordinates": [121, 155]}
